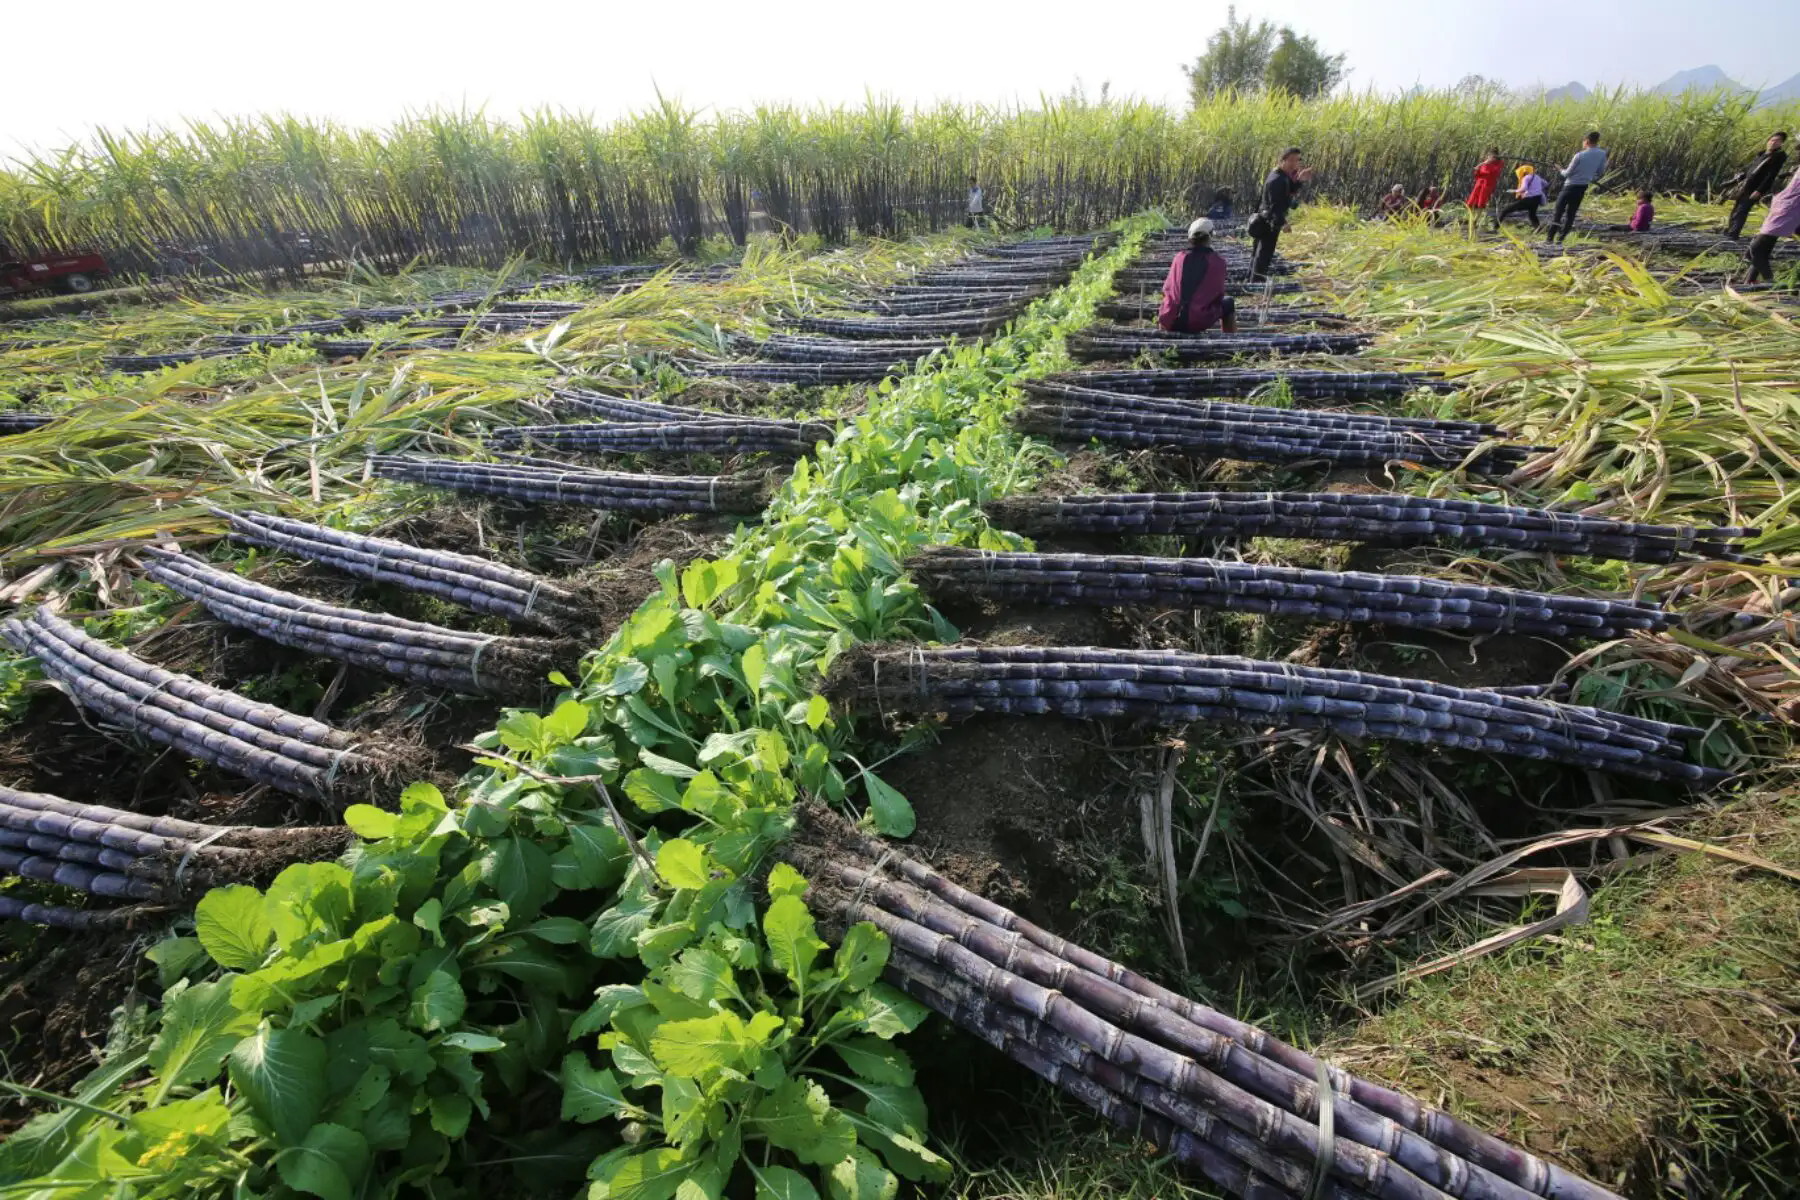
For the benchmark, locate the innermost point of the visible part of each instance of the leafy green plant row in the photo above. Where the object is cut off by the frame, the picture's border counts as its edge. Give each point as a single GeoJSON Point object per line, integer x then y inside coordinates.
{"type": "Point", "coordinates": [574, 972]}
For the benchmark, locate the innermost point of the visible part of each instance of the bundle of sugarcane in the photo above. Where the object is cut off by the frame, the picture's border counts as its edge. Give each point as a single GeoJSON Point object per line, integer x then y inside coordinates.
{"type": "Point", "coordinates": [1112, 343]}
{"type": "Point", "coordinates": [738, 436]}
{"type": "Point", "coordinates": [292, 753]}
{"type": "Point", "coordinates": [473, 583]}
{"type": "Point", "coordinates": [1177, 688]}
{"type": "Point", "coordinates": [966, 322]}
{"type": "Point", "coordinates": [358, 348]}
{"type": "Point", "coordinates": [490, 322]}
{"type": "Point", "coordinates": [624, 408]}
{"type": "Point", "coordinates": [1152, 276]}
{"type": "Point", "coordinates": [537, 484]}
{"type": "Point", "coordinates": [997, 292]}
{"type": "Point", "coordinates": [1407, 601]}
{"type": "Point", "coordinates": [992, 275]}
{"type": "Point", "coordinates": [244, 340]}
{"type": "Point", "coordinates": [788, 348]}
{"type": "Point", "coordinates": [1306, 384]}
{"type": "Point", "coordinates": [1283, 435]}
{"type": "Point", "coordinates": [117, 854]}
{"type": "Point", "coordinates": [329, 325]}
{"type": "Point", "coordinates": [1055, 390]}
{"type": "Point", "coordinates": [1146, 308]}
{"type": "Point", "coordinates": [538, 308]}
{"type": "Point", "coordinates": [1253, 1115]}
{"type": "Point", "coordinates": [944, 301]}
{"type": "Point", "coordinates": [137, 364]}
{"type": "Point", "coordinates": [1379, 519]}
{"type": "Point", "coordinates": [823, 374]}
{"type": "Point", "coordinates": [23, 422]}
{"type": "Point", "coordinates": [383, 316]}
{"type": "Point", "coordinates": [471, 663]}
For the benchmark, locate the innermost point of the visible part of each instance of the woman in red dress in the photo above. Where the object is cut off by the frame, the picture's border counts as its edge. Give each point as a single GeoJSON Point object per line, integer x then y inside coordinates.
{"type": "Point", "coordinates": [1487, 176]}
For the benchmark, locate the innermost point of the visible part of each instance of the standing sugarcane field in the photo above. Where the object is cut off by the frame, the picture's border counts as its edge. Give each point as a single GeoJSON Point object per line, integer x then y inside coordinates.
{"type": "Point", "coordinates": [1242, 642]}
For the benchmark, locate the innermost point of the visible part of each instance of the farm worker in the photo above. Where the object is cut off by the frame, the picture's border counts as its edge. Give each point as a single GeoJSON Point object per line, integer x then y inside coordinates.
{"type": "Point", "coordinates": [1644, 214]}
{"type": "Point", "coordinates": [1487, 178]}
{"type": "Point", "coordinates": [1756, 181]}
{"type": "Point", "coordinates": [1783, 221]}
{"type": "Point", "coordinates": [1392, 204]}
{"type": "Point", "coordinates": [1279, 192]}
{"type": "Point", "coordinates": [977, 204]}
{"type": "Point", "coordinates": [1528, 197]}
{"type": "Point", "coordinates": [1578, 176]}
{"type": "Point", "coordinates": [1221, 206]}
{"type": "Point", "coordinates": [1430, 199]}
{"type": "Point", "coordinates": [1194, 296]}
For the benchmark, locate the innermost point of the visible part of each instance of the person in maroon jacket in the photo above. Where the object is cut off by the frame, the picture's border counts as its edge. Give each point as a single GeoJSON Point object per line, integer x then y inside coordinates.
{"type": "Point", "coordinates": [1194, 298]}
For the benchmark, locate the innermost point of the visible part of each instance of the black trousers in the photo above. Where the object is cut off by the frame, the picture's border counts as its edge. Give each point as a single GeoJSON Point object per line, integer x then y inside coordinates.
{"type": "Point", "coordinates": [1528, 206]}
{"type": "Point", "coordinates": [1740, 212]}
{"type": "Point", "coordinates": [1265, 254]}
{"type": "Point", "coordinates": [1762, 251]}
{"type": "Point", "coordinates": [1568, 203]}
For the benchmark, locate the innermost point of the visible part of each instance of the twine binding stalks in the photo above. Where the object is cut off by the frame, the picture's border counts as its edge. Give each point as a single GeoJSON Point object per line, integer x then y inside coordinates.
{"type": "Point", "coordinates": [1411, 601]}
{"type": "Point", "coordinates": [1255, 1116]}
{"type": "Point", "coordinates": [270, 745]}
{"type": "Point", "coordinates": [112, 853]}
{"type": "Point", "coordinates": [473, 583]}
{"type": "Point", "coordinates": [415, 650]}
{"type": "Point", "coordinates": [1177, 689]}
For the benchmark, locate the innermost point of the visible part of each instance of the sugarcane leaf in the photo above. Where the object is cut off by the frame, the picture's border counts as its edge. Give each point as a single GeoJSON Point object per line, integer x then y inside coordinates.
{"type": "Point", "coordinates": [793, 942]}
{"type": "Point", "coordinates": [329, 1163]}
{"type": "Point", "coordinates": [232, 923]}
{"type": "Point", "coordinates": [893, 814]}
{"type": "Point", "coordinates": [437, 1003]}
{"type": "Point", "coordinates": [589, 1093]}
{"type": "Point", "coordinates": [682, 864]}
{"type": "Point", "coordinates": [860, 1176]}
{"type": "Point", "coordinates": [782, 1183]}
{"type": "Point", "coordinates": [875, 1061]}
{"type": "Point", "coordinates": [281, 1072]}
{"type": "Point", "coordinates": [861, 956]}
{"type": "Point", "coordinates": [200, 1025]}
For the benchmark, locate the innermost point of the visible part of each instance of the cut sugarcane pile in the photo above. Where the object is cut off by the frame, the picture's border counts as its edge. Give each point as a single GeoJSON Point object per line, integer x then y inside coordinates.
{"type": "Point", "coordinates": [359, 348]}
{"type": "Point", "coordinates": [1408, 601]}
{"type": "Point", "coordinates": [1226, 1099]}
{"type": "Point", "coordinates": [1177, 688]}
{"type": "Point", "coordinates": [270, 745]}
{"type": "Point", "coordinates": [1103, 343]}
{"type": "Point", "coordinates": [969, 322]}
{"type": "Point", "coordinates": [471, 663]}
{"type": "Point", "coordinates": [23, 422]}
{"type": "Point", "coordinates": [895, 353]}
{"type": "Point", "coordinates": [1199, 383]}
{"type": "Point", "coordinates": [541, 483]}
{"type": "Point", "coordinates": [1145, 309]}
{"type": "Point", "coordinates": [111, 853]}
{"type": "Point", "coordinates": [920, 300]}
{"type": "Point", "coordinates": [817, 374]}
{"type": "Point", "coordinates": [137, 364]}
{"type": "Point", "coordinates": [473, 583]}
{"type": "Point", "coordinates": [713, 436]}
{"type": "Point", "coordinates": [628, 410]}
{"type": "Point", "coordinates": [1380, 519]}
{"type": "Point", "coordinates": [1261, 434]}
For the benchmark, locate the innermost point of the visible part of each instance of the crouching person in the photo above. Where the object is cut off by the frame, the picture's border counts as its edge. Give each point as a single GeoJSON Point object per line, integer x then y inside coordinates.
{"type": "Point", "coordinates": [1194, 298]}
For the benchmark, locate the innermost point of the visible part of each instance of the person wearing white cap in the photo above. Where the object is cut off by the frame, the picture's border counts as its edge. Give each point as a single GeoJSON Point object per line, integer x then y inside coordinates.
{"type": "Point", "coordinates": [1194, 298]}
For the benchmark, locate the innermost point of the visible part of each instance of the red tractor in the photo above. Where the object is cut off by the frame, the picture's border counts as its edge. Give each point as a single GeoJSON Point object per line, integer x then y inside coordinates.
{"type": "Point", "coordinates": [72, 273]}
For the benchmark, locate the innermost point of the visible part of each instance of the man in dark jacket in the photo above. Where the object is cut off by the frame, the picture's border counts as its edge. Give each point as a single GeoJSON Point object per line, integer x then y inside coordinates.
{"type": "Point", "coordinates": [1757, 181]}
{"type": "Point", "coordinates": [1280, 190]}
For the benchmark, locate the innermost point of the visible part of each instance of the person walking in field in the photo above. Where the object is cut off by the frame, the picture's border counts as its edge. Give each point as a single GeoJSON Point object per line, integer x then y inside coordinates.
{"type": "Point", "coordinates": [1279, 192]}
{"type": "Point", "coordinates": [977, 204]}
{"type": "Point", "coordinates": [1528, 197]}
{"type": "Point", "coordinates": [1756, 181]}
{"type": "Point", "coordinates": [1644, 213]}
{"type": "Point", "coordinates": [1193, 293]}
{"type": "Point", "coordinates": [1583, 169]}
{"type": "Point", "coordinates": [1783, 221]}
{"type": "Point", "coordinates": [1487, 178]}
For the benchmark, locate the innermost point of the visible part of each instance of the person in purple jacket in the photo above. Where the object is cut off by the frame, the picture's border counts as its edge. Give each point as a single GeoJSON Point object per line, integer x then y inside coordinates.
{"type": "Point", "coordinates": [1783, 221]}
{"type": "Point", "coordinates": [1194, 298]}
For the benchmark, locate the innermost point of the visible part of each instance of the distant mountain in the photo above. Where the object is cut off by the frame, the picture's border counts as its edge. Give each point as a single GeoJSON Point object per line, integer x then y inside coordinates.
{"type": "Point", "coordinates": [1571, 90]}
{"type": "Point", "coordinates": [1788, 89]}
{"type": "Point", "coordinates": [1701, 79]}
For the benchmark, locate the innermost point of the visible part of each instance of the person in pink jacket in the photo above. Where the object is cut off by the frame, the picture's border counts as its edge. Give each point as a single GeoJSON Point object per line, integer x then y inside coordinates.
{"type": "Point", "coordinates": [1194, 298]}
{"type": "Point", "coordinates": [1783, 221]}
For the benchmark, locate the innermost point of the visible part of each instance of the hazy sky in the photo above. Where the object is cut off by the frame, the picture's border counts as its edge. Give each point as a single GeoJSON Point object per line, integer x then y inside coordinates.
{"type": "Point", "coordinates": [127, 64]}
